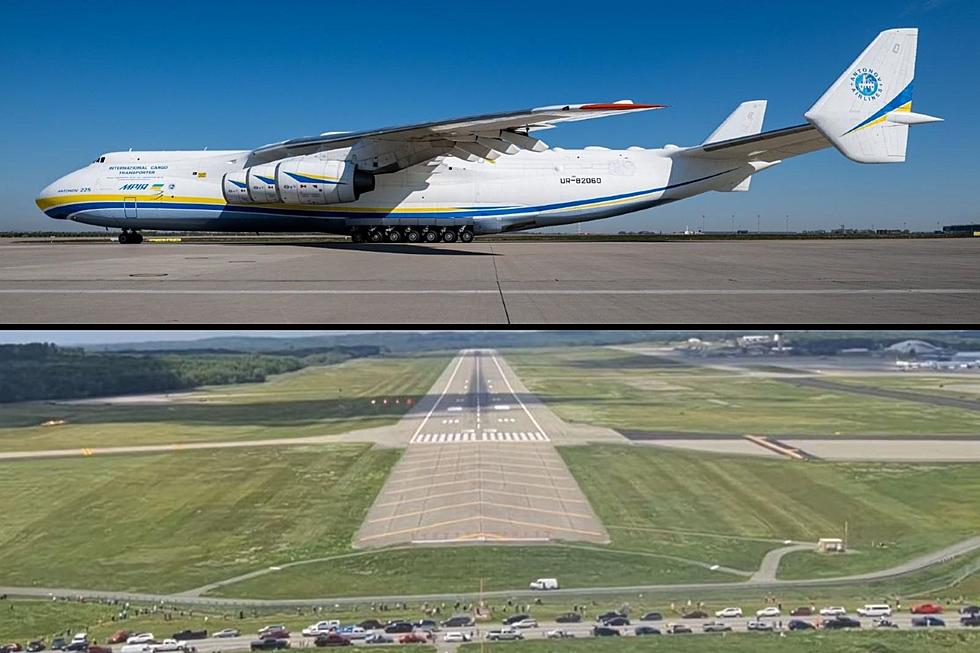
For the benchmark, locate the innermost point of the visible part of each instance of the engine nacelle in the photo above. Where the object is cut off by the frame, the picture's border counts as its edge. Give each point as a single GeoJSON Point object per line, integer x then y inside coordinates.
{"type": "Point", "coordinates": [309, 180]}
{"type": "Point", "coordinates": [302, 180]}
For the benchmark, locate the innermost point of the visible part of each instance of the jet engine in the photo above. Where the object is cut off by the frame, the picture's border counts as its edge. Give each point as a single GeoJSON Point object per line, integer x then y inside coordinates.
{"type": "Point", "coordinates": [302, 180]}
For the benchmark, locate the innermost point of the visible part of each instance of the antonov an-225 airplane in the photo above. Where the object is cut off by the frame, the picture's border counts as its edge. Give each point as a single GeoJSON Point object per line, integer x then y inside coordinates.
{"type": "Point", "coordinates": [455, 179]}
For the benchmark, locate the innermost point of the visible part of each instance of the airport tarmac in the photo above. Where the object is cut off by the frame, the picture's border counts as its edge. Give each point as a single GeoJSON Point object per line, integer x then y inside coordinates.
{"type": "Point", "coordinates": [746, 282]}
{"type": "Point", "coordinates": [479, 467]}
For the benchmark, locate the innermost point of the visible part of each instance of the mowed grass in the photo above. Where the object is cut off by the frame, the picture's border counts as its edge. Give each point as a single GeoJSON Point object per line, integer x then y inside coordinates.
{"type": "Point", "coordinates": [627, 391]}
{"type": "Point", "coordinates": [815, 642]}
{"type": "Point", "coordinates": [698, 505]}
{"type": "Point", "coordinates": [313, 401]}
{"type": "Point", "coordinates": [432, 570]}
{"type": "Point", "coordinates": [960, 385]}
{"type": "Point", "coordinates": [172, 522]}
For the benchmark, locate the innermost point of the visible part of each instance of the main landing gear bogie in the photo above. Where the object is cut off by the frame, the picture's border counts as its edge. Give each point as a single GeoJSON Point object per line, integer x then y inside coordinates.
{"type": "Point", "coordinates": [127, 237]}
{"type": "Point", "coordinates": [412, 234]}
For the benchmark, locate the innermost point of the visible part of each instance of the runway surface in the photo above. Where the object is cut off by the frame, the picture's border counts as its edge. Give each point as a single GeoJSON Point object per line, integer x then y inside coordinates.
{"type": "Point", "coordinates": [479, 467]}
{"type": "Point", "coordinates": [847, 281]}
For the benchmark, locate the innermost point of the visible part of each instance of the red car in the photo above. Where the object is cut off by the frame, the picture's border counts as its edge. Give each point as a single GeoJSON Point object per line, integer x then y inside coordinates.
{"type": "Point", "coordinates": [927, 608]}
{"type": "Point", "coordinates": [92, 648]}
{"type": "Point", "coordinates": [119, 637]}
{"type": "Point", "coordinates": [412, 638]}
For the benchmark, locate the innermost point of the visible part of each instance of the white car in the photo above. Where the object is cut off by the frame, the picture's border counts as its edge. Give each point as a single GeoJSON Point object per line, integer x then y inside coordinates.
{"type": "Point", "coordinates": [525, 623]}
{"type": "Point", "coordinates": [456, 636]}
{"type": "Point", "coordinates": [832, 611]}
{"type": "Point", "coordinates": [79, 638]}
{"type": "Point", "coordinates": [321, 628]}
{"type": "Point", "coordinates": [169, 645]}
{"type": "Point", "coordinates": [559, 633]}
{"type": "Point", "coordinates": [729, 612]}
{"type": "Point", "coordinates": [137, 648]}
{"type": "Point", "coordinates": [771, 611]}
{"type": "Point", "coordinates": [141, 638]}
{"type": "Point", "coordinates": [353, 632]}
{"type": "Point", "coordinates": [227, 632]}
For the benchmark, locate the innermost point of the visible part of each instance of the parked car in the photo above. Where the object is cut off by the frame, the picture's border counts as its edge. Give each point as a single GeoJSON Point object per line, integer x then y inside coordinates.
{"type": "Point", "coordinates": [716, 627]}
{"type": "Point", "coordinates": [833, 611]}
{"type": "Point", "coordinates": [525, 623]}
{"type": "Point", "coordinates": [875, 610]}
{"type": "Point", "coordinates": [559, 633]}
{"type": "Point", "coordinates": [652, 616]}
{"type": "Point", "coordinates": [353, 632]}
{"type": "Point", "coordinates": [971, 620]}
{"type": "Point", "coordinates": [695, 614]}
{"type": "Point", "coordinates": [885, 622]}
{"type": "Point", "coordinates": [398, 627]}
{"type": "Point", "coordinates": [569, 618]}
{"type": "Point", "coordinates": [227, 632]}
{"type": "Point", "coordinates": [119, 637]}
{"type": "Point", "coordinates": [458, 621]}
{"type": "Point", "coordinates": [729, 612]}
{"type": "Point", "coordinates": [412, 638]}
{"type": "Point", "coordinates": [94, 648]}
{"type": "Point", "coordinates": [605, 616]}
{"type": "Point", "coordinates": [191, 634]}
{"type": "Point", "coordinates": [505, 634]}
{"type": "Point", "coordinates": [771, 611]}
{"type": "Point", "coordinates": [799, 624]}
{"type": "Point", "coordinates": [456, 636]}
{"type": "Point", "coordinates": [927, 608]}
{"type": "Point", "coordinates": [331, 639]}
{"type": "Point", "coordinates": [426, 624]}
{"type": "Point", "coordinates": [605, 631]}
{"type": "Point", "coordinates": [544, 584]}
{"type": "Point", "coordinates": [269, 644]}
{"type": "Point", "coordinates": [641, 631]}
{"type": "Point", "coordinates": [801, 612]}
{"type": "Point", "coordinates": [371, 624]}
{"type": "Point", "coordinates": [616, 621]}
{"type": "Point", "coordinates": [970, 609]}
{"type": "Point", "coordinates": [12, 647]}
{"type": "Point", "coordinates": [58, 644]}
{"type": "Point", "coordinates": [514, 618]}
{"type": "Point", "coordinates": [319, 628]}
{"type": "Point", "coordinates": [274, 632]}
{"type": "Point", "coordinates": [378, 638]}
{"type": "Point", "coordinates": [928, 621]}
{"type": "Point", "coordinates": [840, 622]}
{"type": "Point", "coordinates": [35, 646]}
{"type": "Point", "coordinates": [169, 645]}
{"type": "Point", "coordinates": [678, 629]}
{"type": "Point", "coordinates": [141, 638]}
{"type": "Point", "coordinates": [760, 626]}
{"type": "Point", "coordinates": [77, 645]}
{"type": "Point", "coordinates": [136, 648]}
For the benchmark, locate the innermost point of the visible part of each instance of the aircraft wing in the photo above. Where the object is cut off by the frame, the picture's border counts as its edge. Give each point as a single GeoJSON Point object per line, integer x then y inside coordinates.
{"type": "Point", "coordinates": [486, 136]}
{"type": "Point", "coordinates": [768, 146]}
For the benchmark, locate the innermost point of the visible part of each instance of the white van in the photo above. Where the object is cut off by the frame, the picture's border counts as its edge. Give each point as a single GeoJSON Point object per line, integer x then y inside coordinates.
{"type": "Point", "coordinates": [875, 610]}
{"type": "Point", "coordinates": [544, 584]}
{"type": "Point", "coordinates": [137, 648]}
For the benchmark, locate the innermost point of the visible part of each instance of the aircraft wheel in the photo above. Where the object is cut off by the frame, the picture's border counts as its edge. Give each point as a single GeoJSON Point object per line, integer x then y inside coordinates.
{"type": "Point", "coordinates": [412, 235]}
{"type": "Point", "coordinates": [124, 238]}
{"type": "Point", "coordinates": [374, 236]}
{"type": "Point", "coordinates": [357, 236]}
{"type": "Point", "coordinates": [137, 238]}
{"type": "Point", "coordinates": [430, 236]}
{"type": "Point", "coordinates": [394, 236]}
{"type": "Point", "coordinates": [449, 236]}
{"type": "Point", "coordinates": [466, 236]}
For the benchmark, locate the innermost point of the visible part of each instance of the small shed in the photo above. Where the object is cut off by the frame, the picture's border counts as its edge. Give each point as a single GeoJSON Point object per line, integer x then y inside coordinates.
{"type": "Point", "coordinates": [830, 545]}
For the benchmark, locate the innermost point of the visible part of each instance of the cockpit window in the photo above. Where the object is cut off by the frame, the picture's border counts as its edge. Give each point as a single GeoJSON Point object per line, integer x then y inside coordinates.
{"type": "Point", "coordinates": [101, 159]}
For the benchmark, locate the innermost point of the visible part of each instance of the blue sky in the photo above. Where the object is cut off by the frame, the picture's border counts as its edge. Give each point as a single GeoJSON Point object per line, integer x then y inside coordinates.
{"type": "Point", "coordinates": [80, 79]}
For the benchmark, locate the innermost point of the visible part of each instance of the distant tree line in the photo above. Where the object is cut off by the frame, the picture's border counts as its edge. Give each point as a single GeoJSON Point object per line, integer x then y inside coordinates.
{"type": "Point", "coordinates": [44, 371]}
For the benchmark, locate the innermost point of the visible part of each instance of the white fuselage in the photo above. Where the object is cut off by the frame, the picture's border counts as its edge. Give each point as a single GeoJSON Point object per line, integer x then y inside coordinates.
{"type": "Point", "coordinates": [183, 191]}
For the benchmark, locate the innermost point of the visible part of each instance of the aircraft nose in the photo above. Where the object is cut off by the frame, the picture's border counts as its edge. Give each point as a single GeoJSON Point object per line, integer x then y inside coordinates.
{"type": "Point", "coordinates": [47, 199]}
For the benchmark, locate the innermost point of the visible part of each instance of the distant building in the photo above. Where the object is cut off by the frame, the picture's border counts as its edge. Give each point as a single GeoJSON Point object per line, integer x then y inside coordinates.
{"type": "Point", "coordinates": [914, 349]}
{"type": "Point", "coordinates": [956, 229]}
{"type": "Point", "coordinates": [830, 545]}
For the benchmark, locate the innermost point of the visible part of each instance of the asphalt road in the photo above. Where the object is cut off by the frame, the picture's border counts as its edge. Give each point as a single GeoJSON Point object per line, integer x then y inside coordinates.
{"type": "Point", "coordinates": [750, 282]}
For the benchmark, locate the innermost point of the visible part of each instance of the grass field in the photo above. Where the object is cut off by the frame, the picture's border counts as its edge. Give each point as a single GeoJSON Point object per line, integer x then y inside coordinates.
{"type": "Point", "coordinates": [312, 401]}
{"type": "Point", "coordinates": [630, 391]}
{"type": "Point", "coordinates": [818, 642]}
{"type": "Point", "coordinates": [459, 569]}
{"type": "Point", "coordinates": [171, 522]}
{"type": "Point", "coordinates": [961, 385]}
{"type": "Point", "coordinates": [698, 505]}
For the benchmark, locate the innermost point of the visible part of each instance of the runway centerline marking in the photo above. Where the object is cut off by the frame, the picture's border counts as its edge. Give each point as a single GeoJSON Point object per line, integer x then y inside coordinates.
{"type": "Point", "coordinates": [512, 291]}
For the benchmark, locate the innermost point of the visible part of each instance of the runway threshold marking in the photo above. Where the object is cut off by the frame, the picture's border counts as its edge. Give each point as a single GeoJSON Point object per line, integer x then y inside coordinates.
{"type": "Point", "coordinates": [454, 506]}
{"type": "Point", "coordinates": [505, 291]}
{"type": "Point", "coordinates": [487, 480]}
{"type": "Point", "coordinates": [510, 522]}
{"type": "Point", "coordinates": [777, 447]}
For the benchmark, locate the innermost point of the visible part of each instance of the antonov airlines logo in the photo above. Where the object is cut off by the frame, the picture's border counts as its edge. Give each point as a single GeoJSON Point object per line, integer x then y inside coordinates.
{"type": "Point", "coordinates": [866, 84]}
{"type": "Point", "coordinates": [134, 187]}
